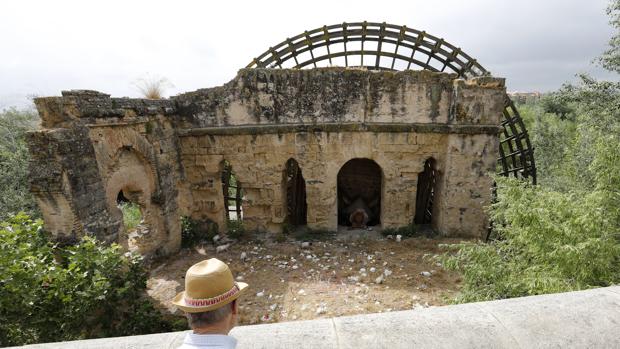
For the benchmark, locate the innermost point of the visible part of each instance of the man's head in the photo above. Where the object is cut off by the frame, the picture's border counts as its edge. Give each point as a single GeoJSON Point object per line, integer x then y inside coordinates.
{"type": "Point", "coordinates": [210, 297]}
{"type": "Point", "coordinates": [220, 320]}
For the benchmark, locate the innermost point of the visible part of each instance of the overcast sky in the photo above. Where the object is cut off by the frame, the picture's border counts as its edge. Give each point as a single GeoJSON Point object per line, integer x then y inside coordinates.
{"type": "Point", "coordinates": [49, 46]}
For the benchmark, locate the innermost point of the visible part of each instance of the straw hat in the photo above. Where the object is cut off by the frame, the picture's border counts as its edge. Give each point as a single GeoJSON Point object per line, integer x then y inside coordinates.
{"type": "Point", "coordinates": [208, 285]}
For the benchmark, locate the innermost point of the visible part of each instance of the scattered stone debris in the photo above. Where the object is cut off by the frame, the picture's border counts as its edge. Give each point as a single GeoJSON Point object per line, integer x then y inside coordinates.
{"type": "Point", "coordinates": [222, 248]}
{"type": "Point", "coordinates": [334, 278]}
{"type": "Point", "coordinates": [399, 238]}
{"type": "Point", "coordinates": [425, 273]}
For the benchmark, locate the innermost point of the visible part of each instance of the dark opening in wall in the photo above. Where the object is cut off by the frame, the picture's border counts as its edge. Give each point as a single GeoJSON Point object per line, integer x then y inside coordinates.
{"type": "Point", "coordinates": [233, 193]}
{"type": "Point", "coordinates": [359, 193]}
{"type": "Point", "coordinates": [427, 180]}
{"type": "Point", "coordinates": [120, 198]}
{"type": "Point", "coordinates": [295, 186]}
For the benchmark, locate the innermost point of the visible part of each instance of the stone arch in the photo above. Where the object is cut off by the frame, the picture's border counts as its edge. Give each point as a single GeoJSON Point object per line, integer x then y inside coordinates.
{"type": "Point", "coordinates": [133, 176]}
{"type": "Point", "coordinates": [359, 190]}
{"type": "Point", "coordinates": [426, 193]}
{"type": "Point", "coordinates": [295, 194]}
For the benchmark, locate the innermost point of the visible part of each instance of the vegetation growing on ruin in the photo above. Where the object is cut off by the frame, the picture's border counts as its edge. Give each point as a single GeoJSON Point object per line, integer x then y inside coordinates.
{"type": "Point", "coordinates": [132, 215]}
{"type": "Point", "coordinates": [152, 87]}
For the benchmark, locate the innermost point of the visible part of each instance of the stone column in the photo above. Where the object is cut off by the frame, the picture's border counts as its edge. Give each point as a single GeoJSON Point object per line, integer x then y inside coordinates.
{"type": "Point", "coordinates": [465, 182]}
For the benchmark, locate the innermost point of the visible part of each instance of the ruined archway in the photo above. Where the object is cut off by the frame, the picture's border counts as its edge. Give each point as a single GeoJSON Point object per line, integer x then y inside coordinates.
{"type": "Point", "coordinates": [360, 183]}
{"type": "Point", "coordinates": [295, 187]}
{"type": "Point", "coordinates": [425, 194]}
{"type": "Point", "coordinates": [383, 46]}
{"type": "Point", "coordinates": [132, 180]}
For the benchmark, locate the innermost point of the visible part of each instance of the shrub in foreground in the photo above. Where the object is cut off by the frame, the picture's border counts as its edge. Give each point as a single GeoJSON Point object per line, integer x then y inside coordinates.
{"type": "Point", "coordinates": [546, 242]}
{"type": "Point", "coordinates": [50, 293]}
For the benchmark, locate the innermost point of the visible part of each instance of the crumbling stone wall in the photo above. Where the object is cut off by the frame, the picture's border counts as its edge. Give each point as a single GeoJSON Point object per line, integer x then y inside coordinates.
{"type": "Point", "coordinates": [169, 152]}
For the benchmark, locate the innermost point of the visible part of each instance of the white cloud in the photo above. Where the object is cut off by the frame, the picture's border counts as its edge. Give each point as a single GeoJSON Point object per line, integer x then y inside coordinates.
{"type": "Point", "coordinates": [48, 46]}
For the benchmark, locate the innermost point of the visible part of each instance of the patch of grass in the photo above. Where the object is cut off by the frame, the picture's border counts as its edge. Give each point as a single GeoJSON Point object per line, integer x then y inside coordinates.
{"type": "Point", "coordinates": [410, 231]}
{"type": "Point", "coordinates": [132, 215]}
{"type": "Point", "coordinates": [309, 234]}
{"type": "Point", "coordinates": [236, 230]}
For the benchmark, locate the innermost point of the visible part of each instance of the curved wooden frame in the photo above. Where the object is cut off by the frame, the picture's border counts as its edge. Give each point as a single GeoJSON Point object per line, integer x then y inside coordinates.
{"type": "Point", "coordinates": [399, 48]}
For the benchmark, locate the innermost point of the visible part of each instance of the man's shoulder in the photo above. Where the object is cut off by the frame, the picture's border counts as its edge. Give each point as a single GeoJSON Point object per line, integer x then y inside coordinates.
{"type": "Point", "coordinates": [198, 341]}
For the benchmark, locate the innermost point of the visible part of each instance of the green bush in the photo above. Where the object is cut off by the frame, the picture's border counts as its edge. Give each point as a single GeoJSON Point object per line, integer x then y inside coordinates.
{"type": "Point", "coordinates": [132, 215]}
{"type": "Point", "coordinates": [236, 230]}
{"type": "Point", "coordinates": [547, 241]}
{"type": "Point", "coordinates": [50, 293]}
{"type": "Point", "coordinates": [190, 232]}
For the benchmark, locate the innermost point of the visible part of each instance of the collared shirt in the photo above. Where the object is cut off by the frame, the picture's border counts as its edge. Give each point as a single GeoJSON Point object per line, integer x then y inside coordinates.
{"type": "Point", "coordinates": [208, 341]}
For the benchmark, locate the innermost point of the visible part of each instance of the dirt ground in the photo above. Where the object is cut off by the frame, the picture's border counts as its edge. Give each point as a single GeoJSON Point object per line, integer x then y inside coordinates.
{"type": "Point", "coordinates": [290, 281]}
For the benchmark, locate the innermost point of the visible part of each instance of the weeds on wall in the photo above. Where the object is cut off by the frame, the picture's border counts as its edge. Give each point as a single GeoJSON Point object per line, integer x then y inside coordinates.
{"type": "Point", "coordinates": [152, 87]}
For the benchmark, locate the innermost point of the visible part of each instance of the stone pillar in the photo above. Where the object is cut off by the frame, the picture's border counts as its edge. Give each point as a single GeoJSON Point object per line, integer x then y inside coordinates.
{"type": "Point", "coordinates": [465, 182]}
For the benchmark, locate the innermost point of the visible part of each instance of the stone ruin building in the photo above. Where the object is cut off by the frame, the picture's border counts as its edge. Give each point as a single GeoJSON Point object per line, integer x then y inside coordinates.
{"type": "Point", "coordinates": [360, 138]}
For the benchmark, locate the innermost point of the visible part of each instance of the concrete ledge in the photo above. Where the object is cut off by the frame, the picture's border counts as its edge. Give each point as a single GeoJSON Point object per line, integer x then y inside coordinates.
{"type": "Point", "coordinates": [584, 319]}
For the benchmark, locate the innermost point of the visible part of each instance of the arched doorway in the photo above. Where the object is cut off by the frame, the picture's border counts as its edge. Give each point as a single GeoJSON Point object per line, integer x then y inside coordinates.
{"type": "Point", "coordinates": [295, 186]}
{"type": "Point", "coordinates": [427, 180]}
{"type": "Point", "coordinates": [359, 193]}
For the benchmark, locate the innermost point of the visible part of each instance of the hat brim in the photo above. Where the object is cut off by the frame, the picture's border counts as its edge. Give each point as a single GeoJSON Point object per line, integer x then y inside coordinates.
{"type": "Point", "coordinates": [179, 301]}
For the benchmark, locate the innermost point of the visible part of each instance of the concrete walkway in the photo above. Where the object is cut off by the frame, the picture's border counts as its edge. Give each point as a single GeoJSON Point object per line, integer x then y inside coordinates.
{"type": "Point", "coordinates": [585, 319]}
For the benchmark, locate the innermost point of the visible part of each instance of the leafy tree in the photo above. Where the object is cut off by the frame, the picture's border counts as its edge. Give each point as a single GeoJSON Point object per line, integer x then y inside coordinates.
{"type": "Point", "coordinates": [14, 188]}
{"type": "Point", "coordinates": [565, 233]}
{"type": "Point", "coordinates": [611, 57]}
{"type": "Point", "coordinates": [557, 103]}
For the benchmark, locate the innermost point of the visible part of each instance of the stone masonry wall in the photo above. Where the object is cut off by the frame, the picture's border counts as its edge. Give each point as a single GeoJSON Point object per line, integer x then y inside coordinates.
{"type": "Point", "coordinates": [168, 154]}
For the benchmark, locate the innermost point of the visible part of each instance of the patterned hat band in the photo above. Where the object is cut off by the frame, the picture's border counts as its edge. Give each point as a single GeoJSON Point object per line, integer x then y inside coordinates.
{"type": "Point", "coordinates": [203, 302]}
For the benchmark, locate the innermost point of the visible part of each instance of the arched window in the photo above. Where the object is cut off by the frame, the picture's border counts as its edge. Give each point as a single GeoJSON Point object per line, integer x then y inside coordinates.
{"type": "Point", "coordinates": [295, 186]}
{"type": "Point", "coordinates": [233, 193]}
{"type": "Point", "coordinates": [427, 181]}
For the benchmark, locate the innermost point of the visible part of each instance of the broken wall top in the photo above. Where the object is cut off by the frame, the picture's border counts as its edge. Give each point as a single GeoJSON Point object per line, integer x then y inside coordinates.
{"type": "Point", "coordinates": [263, 97]}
